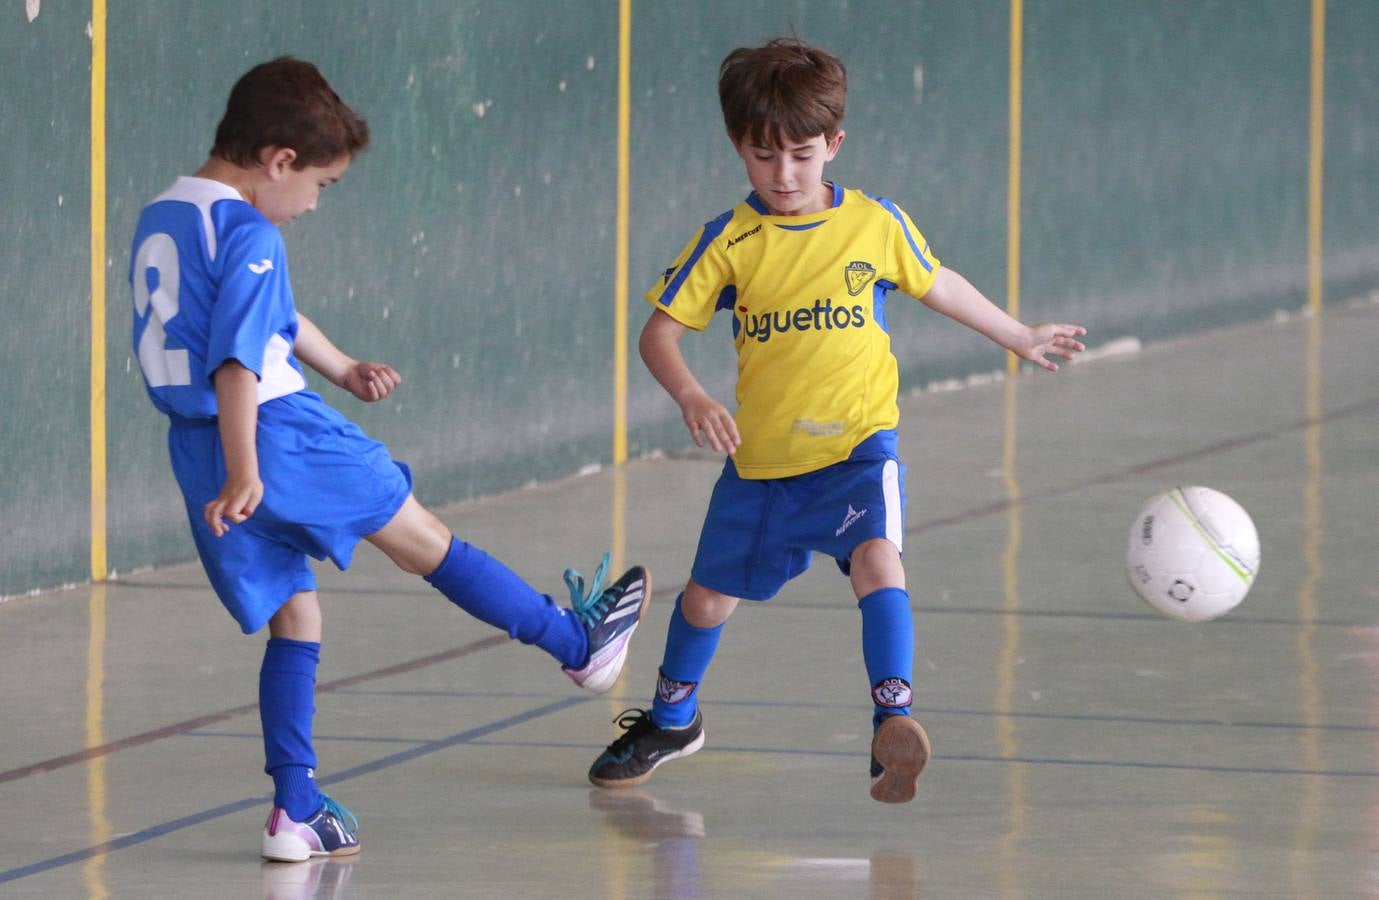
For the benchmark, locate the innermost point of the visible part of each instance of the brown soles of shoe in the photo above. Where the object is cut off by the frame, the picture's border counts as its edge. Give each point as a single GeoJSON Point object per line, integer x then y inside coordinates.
{"type": "Point", "coordinates": [902, 748]}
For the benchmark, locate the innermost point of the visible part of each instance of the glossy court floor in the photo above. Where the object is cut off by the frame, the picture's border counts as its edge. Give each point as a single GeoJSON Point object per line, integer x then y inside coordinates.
{"type": "Point", "coordinates": [1084, 747]}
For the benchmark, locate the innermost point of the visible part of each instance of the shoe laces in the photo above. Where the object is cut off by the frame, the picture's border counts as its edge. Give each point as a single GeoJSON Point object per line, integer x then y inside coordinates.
{"type": "Point", "coordinates": [343, 815]}
{"type": "Point", "coordinates": [590, 605]}
{"type": "Point", "coordinates": [634, 723]}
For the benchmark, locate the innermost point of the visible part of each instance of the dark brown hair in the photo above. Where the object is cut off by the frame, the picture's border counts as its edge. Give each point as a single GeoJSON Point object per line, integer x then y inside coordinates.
{"type": "Point", "coordinates": [288, 103]}
{"type": "Point", "coordinates": [786, 90]}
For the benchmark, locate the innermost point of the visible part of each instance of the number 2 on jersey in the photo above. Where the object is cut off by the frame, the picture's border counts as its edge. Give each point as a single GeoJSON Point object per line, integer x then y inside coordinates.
{"type": "Point", "coordinates": [157, 257]}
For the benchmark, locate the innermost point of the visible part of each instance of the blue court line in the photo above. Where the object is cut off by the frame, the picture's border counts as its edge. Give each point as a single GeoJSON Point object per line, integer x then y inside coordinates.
{"type": "Point", "coordinates": [1239, 619]}
{"type": "Point", "coordinates": [1055, 761]}
{"type": "Point", "coordinates": [928, 710]}
{"type": "Point", "coordinates": [1181, 767]}
{"type": "Point", "coordinates": [1047, 761]}
{"type": "Point", "coordinates": [1129, 473]}
{"type": "Point", "coordinates": [1004, 760]}
{"type": "Point", "coordinates": [402, 756]}
{"type": "Point", "coordinates": [315, 738]}
{"type": "Point", "coordinates": [1148, 720]}
{"type": "Point", "coordinates": [1080, 717]}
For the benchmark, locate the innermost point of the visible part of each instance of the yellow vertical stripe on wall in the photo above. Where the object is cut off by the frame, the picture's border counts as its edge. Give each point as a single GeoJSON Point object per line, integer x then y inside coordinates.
{"type": "Point", "coordinates": [1010, 645]}
{"type": "Point", "coordinates": [1316, 142]}
{"type": "Point", "coordinates": [99, 565]}
{"type": "Point", "coordinates": [618, 875]}
{"type": "Point", "coordinates": [1310, 814]}
{"type": "Point", "coordinates": [619, 537]}
{"type": "Point", "coordinates": [1017, 52]}
{"type": "Point", "coordinates": [620, 271]}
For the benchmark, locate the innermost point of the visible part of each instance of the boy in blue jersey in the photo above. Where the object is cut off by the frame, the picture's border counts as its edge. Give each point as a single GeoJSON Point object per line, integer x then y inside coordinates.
{"type": "Point", "coordinates": [804, 267]}
{"type": "Point", "coordinates": [269, 472]}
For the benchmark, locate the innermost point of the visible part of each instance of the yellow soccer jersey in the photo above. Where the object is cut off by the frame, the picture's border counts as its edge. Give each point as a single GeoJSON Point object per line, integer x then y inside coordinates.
{"type": "Point", "coordinates": [815, 371]}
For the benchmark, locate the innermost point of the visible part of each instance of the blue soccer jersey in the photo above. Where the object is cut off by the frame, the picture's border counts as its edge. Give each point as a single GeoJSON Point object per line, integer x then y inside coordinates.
{"type": "Point", "coordinates": [211, 285]}
{"type": "Point", "coordinates": [210, 282]}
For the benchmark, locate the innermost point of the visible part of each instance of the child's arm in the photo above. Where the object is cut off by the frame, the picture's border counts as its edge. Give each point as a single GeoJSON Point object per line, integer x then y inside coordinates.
{"type": "Point", "coordinates": [366, 380]}
{"type": "Point", "coordinates": [237, 403]}
{"type": "Point", "coordinates": [956, 298]}
{"type": "Point", "coordinates": [705, 418]}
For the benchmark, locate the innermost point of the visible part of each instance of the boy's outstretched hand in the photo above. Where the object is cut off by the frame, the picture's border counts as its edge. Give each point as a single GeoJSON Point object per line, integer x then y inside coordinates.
{"type": "Point", "coordinates": [1057, 340]}
{"type": "Point", "coordinates": [370, 381]}
{"type": "Point", "coordinates": [709, 422]}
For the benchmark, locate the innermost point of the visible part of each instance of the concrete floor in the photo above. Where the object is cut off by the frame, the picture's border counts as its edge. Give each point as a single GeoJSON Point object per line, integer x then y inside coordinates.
{"type": "Point", "coordinates": [1084, 747]}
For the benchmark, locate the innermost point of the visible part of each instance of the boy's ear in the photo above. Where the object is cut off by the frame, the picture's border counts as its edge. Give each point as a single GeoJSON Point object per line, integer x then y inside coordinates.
{"type": "Point", "coordinates": [833, 145]}
{"type": "Point", "coordinates": [276, 161]}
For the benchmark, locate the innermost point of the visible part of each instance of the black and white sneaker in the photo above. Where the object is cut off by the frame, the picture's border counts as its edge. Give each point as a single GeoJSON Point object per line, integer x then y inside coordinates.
{"type": "Point", "coordinates": [631, 758]}
{"type": "Point", "coordinates": [899, 751]}
{"type": "Point", "coordinates": [610, 615]}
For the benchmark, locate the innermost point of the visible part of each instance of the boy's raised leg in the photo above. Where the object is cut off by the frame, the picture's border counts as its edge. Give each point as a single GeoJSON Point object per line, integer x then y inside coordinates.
{"type": "Point", "coordinates": [899, 751]}
{"type": "Point", "coordinates": [589, 640]}
{"type": "Point", "coordinates": [900, 748]}
{"type": "Point", "coordinates": [610, 615]}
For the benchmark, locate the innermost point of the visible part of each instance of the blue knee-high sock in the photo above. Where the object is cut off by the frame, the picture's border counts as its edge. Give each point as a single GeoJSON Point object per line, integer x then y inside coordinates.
{"type": "Point", "coordinates": [888, 647]}
{"type": "Point", "coordinates": [689, 650]}
{"type": "Point", "coordinates": [491, 592]}
{"type": "Point", "coordinates": [287, 688]}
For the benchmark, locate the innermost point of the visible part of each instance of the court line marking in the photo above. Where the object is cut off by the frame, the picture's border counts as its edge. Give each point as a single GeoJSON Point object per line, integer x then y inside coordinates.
{"type": "Point", "coordinates": [1234, 443]}
{"type": "Point", "coordinates": [785, 602]}
{"type": "Point", "coordinates": [1236, 619]}
{"type": "Point", "coordinates": [973, 757]}
{"type": "Point", "coordinates": [1356, 408]}
{"type": "Point", "coordinates": [157, 734]}
{"type": "Point", "coordinates": [156, 831]}
{"type": "Point", "coordinates": [472, 735]}
{"type": "Point", "coordinates": [779, 602]}
{"type": "Point", "coordinates": [824, 705]}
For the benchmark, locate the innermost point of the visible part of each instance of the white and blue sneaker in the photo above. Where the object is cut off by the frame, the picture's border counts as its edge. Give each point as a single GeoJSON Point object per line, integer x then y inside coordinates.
{"type": "Point", "coordinates": [332, 831]}
{"type": "Point", "coordinates": [610, 615]}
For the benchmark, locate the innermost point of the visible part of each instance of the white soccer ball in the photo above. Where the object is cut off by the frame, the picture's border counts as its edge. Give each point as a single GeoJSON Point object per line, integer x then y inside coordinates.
{"type": "Point", "coordinates": [1193, 554]}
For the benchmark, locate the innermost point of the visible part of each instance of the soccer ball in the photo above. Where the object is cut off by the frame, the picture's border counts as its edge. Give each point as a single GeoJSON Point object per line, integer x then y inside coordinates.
{"type": "Point", "coordinates": [1193, 554]}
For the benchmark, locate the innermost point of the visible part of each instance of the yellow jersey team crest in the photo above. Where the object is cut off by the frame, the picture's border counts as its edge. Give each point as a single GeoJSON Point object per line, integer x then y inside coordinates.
{"type": "Point", "coordinates": [859, 274]}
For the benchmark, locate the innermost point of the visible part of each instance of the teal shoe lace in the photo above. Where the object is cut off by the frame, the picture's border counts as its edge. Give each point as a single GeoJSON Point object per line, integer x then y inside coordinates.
{"type": "Point", "coordinates": [344, 816]}
{"type": "Point", "coordinates": [591, 605]}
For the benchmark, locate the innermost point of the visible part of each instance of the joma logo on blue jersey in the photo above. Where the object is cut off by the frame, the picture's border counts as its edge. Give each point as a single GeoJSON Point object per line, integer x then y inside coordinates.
{"type": "Point", "coordinates": [822, 316]}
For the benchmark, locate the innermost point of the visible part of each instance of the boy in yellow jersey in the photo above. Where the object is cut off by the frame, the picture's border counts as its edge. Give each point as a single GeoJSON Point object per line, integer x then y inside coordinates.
{"type": "Point", "coordinates": [804, 267]}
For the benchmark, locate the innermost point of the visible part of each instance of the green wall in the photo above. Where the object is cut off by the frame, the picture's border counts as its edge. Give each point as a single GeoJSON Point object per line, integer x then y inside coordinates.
{"type": "Point", "coordinates": [44, 299]}
{"type": "Point", "coordinates": [1164, 186]}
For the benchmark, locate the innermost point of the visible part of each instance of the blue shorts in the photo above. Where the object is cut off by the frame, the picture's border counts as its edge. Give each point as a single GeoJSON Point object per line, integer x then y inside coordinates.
{"type": "Point", "coordinates": [758, 534]}
{"type": "Point", "coordinates": [326, 485]}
